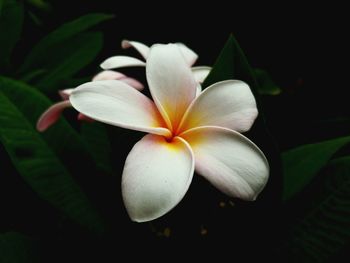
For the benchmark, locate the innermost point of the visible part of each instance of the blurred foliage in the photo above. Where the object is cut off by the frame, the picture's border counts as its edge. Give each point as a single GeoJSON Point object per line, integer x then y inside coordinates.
{"type": "Point", "coordinates": [303, 163]}
{"type": "Point", "coordinates": [45, 160]}
{"type": "Point", "coordinates": [69, 168]}
{"type": "Point", "coordinates": [41, 4]}
{"type": "Point", "coordinates": [11, 28]}
{"type": "Point", "coordinates": [15, 248]}
{"type": "Point", "coordinates": [325, 228]}
{"type": "Point", "coordinates": [63, 53]}
{"type": "Point", "coordinates": [31, 154]}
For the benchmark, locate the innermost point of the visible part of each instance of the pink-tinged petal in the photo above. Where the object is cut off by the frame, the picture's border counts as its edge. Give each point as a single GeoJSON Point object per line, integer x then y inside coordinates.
{"type": "Point", "coordinates": [189, 55]}
{"type": "Point", "coordinates": [200, 73]}
{"type": "Point", "coordinates": [230, 161]}
{"type": "Point", "coordinates": [121, 62]}
{"type": "Point", "coordinates": [156, 176]}
{"type": "Point", "coordinates": [141, 48]}
{"type": "Point", "coordinates": [110, 74]}
{"type": "Point", "coordinates": [171, 82]}
{"type": "Point", "coordinates": [64, 94]}
{"type": "Point", "coordinates": [116, 103]}
{"type": "Point", "coordinates": [82, 117]}
{"type": "Point", "coordinates": [133, 83]}
{"type": "Point", "coordinates": [51, 115]}
{"type": "Point", "coordinates": [107, 75]}
{"type": "Point", "coordinates": [228, 104]}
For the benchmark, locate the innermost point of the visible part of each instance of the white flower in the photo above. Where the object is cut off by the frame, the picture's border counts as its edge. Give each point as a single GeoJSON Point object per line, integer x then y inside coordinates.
{"type": "Point", "coordinates": [199, 72]}
{"type": "Point", "coordinates": [186, 133]}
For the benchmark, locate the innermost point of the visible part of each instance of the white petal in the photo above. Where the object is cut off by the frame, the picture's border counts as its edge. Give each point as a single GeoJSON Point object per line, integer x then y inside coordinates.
{"type": "Point", "coordinates": [121, 61]}
{"type": "Point", "coordinates": [108, 74]}
{"type": "Point", "coordinates": [116, 103]}
{"type": "Point", "coordinates": [141, 48]}
{"type": "Point", "coordinates": [189, 55]}
{"type": "Point", "coordinates": [199, 90]}
{"type": "Point", "coordinates": [171, 82]}
{"type": "Point", "coordinates": [133, 83]}
{"type": "Point", "coordinates": [230, 161]}
{"type": "Point", "coordinates": [156, 176]}
{"type": "Point", "coordinates": [200, 73]}
{"type": "Point", "coordinates": [228, 104]}
{"type": "Point", "coordinates": [51, 115]}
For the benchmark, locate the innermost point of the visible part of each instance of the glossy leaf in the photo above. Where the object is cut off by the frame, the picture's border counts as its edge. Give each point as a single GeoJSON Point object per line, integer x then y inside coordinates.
{"type": "Point", "coordinates": [66, 60]}
{"type": "Point", "coordinates": [232, 64]}
{"type": "Point", "coordinates": [41, 169]}
{"type": "Point", "coordinates": [325, 230]}
{"type": "Point", "coordinates": [301, 165]}
{"type": "Point", "coordinates": [61, 137]}
{"type": "Point", "coordinates": [58, 39]}
{"type": "Point", "coordinates": [11, 20]}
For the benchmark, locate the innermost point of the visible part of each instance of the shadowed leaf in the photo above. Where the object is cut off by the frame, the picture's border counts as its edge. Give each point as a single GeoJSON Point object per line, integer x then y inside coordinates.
{"type": "Point", "coordinates": [96, 138]}
{"type": "Point", "coordinates": [17, 248]}
{"type": "Point", "coordinates": [11, 20]}
{"type": "Point", "coordinates": [41, 169]}
{"type": "Point", "coordinates": [301, 164]}
{"type": "Point", "coordinates": [325, 230]}
{"type": "Point", "coordinates": [59, 39]}
{"type": "Point", "coordinates": [63, 63]}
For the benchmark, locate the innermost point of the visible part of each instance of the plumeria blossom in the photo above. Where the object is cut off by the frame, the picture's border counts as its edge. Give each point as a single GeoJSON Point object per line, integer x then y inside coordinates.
{"type": "Point", "coordinates": [186, 133]}
{"type": "Point", "coordinates": [53, 113]}
{"type": "Point", "coordinates": [199, 72]}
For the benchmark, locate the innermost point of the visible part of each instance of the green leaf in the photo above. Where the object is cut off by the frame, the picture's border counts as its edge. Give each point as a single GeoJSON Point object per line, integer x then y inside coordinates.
{"type": "Point", "coordinates": [230, 64]}
{"type": "Point", "coordinates": [62, 63]}
{"type": "Point", "coordinates": [59, 39]}
{"type": "Point", "coordinates": [11, 20]}
{"type": "Point", "coordinates": [31, 76]}
{"type": "Point", "coordinates": [96, 138]}
{"type": "Point", "coordinates": [266, 85]}
{"type": "Point", "coordinates": [1, 5]}
{"type": "Point", "coordinates": [17, 248]}
{"type": "Point", "coordinates": [40, 4]}
{"type": "Point", "coordinates": [325, 230]}
{"type": "Point", "coordinates": [61, 137]}
{"type": "Point", "coordinates": [41, 169]}
{"type": "Point", "coordinates": [300, 165]}
{"type": "Point", "coordinates": [233, 64]}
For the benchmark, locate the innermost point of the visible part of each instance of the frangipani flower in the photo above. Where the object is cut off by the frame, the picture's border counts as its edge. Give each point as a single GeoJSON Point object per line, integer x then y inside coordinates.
{"type": "Point", "coordinates": [199, 72]}
{"type": "Point", "coordinates": [186, 133]}
{"type": "Point", "coordinates": [53, 113]}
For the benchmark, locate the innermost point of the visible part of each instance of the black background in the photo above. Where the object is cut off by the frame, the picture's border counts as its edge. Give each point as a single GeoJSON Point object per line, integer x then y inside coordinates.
{"type": "Point", "coordinates": [302, 47]}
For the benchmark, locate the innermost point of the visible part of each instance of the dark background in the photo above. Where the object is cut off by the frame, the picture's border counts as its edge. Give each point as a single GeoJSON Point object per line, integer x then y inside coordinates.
{"type": "Point", "coordinates": [303, 48]}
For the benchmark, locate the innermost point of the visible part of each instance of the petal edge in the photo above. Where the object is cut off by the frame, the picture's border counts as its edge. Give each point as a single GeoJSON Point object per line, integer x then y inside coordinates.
{"type": "Point", "coordinates": [116, 103]}
{"type": "Point", "coordinates": [229, 160]}
{"type": "Point", "coordinates": [156, 177]}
